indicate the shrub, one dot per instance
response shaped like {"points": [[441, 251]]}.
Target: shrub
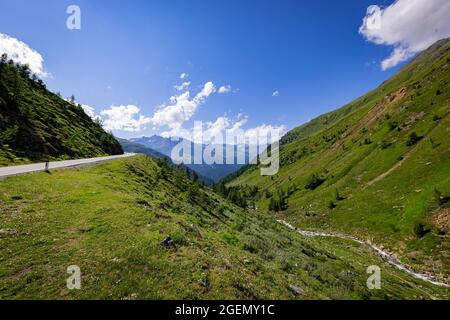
{"points": [[393, 125], [338, 196], [413, 139], [279, 202], [331, 205], [384, 144], [441, 200], [420, 230], [314, 182]]}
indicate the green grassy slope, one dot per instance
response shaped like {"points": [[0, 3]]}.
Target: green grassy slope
{"points": [[36, 125], [110, 220], [381, 166]]}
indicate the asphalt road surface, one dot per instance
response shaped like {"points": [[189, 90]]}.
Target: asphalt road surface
{"points": [[35, 167]]}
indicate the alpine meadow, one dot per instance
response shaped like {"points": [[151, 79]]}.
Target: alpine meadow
{"points": [[194, 154]]}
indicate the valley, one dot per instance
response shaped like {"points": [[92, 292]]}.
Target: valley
{"points": [[365, 187], [111, 219], [377, 169]]}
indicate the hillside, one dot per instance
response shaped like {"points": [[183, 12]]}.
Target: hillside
{"points": [[377, 169], [111, 220], [134, 147], [36, 124], [214, 172]]}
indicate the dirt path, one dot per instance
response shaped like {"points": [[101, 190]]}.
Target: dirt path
{"points": [[405, 157]]}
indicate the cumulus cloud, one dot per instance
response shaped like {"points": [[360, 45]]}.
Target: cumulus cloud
{"points": [[182, 86], [90, 111], [276, 93], [21, 53], [124, 118], [264, 130], [222, 126], [181, 108], [409, 26], [224, 89], [183, 76]]}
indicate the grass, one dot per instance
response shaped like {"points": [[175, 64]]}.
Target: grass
{"points": [[110, 220], [364, 150]]}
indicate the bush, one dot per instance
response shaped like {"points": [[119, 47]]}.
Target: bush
{"points": [[413, 139], [393, 125], [384, 144], [338, 196], [314, 182], [441, 200], [279, 203], [331, 205], [420, 230]]}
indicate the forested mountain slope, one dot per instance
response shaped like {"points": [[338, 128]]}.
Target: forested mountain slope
{"points": [[36, 124]]}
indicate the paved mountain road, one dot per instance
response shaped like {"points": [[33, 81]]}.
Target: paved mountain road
{"points": [[35, 167]]}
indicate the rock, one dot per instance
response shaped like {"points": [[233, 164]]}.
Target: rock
{"points": [[8, 232], [196, 231], [296, 289], [205, 266], [168, 242]]}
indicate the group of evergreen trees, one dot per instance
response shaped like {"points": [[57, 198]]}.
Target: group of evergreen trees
{"points": [[24, 71], [240, 195], [278, 202]]}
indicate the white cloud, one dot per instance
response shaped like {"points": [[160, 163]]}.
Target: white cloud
{"points": [[182, 86], [276, 93], [263, 131], [224, 89], [183, 76], [90, 111], [21, 53], [124, 118], [410, 26], [181, 108], [223, 125]]}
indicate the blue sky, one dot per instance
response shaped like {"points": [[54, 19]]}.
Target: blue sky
{"points": [[133, 52]]}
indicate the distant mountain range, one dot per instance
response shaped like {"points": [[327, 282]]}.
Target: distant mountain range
{"points": [[215, 172]]}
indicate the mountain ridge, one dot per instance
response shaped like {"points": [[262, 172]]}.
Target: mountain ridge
{"points": [[214, 172]]}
